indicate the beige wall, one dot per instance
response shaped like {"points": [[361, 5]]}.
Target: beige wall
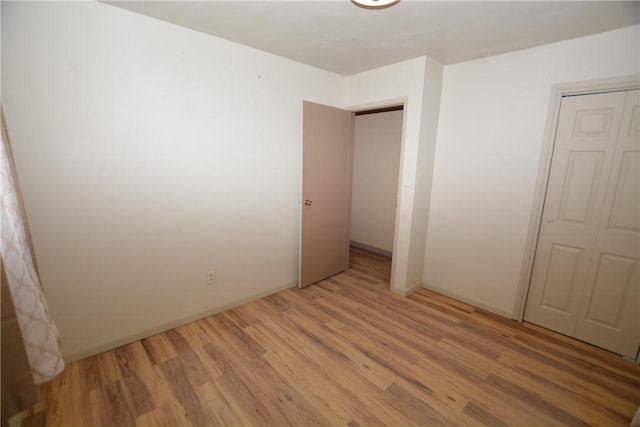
{"points": [[150, 154], [376, 162], [489, 143]]}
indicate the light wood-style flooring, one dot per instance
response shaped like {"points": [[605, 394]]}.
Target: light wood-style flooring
{"points": [[346, 351]]}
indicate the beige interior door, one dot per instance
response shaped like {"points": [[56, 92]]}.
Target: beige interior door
{"points": [[585, 278], [327, 150]]}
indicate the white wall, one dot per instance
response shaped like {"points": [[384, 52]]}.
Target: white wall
{"points": [[149, 154], [431, 94], [488, 151], [376, 161]]}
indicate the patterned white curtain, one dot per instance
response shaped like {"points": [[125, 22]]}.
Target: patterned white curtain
{"points": [[39, 333]]}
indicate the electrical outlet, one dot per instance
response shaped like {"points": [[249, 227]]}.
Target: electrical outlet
{"points": [[211, 277]]}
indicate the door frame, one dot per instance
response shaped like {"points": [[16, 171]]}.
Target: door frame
{"points": [[558, 91]]}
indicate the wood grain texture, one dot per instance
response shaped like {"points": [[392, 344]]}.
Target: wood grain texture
{"points": [[346, 351]]}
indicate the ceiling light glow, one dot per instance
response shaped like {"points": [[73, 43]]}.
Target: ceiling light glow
{"points": [[375, 4]]}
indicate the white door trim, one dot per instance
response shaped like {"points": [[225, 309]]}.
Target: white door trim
{"points": [[546, 153]]}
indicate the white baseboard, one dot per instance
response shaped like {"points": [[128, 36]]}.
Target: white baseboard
{"points": [[172, 324], [408, 291], [469, 301]]}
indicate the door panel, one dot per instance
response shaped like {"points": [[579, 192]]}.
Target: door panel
{"points": [[580, 186], [593, 122], [626, 201], [610, 311], [327, 151], [560, 277], [614, 275]]}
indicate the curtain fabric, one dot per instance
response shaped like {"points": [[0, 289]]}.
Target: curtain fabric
{"points": [[39, 333]]}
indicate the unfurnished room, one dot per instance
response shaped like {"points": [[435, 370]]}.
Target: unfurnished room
{"points": [[320, 213]]}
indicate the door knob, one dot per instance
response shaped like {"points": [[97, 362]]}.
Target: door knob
{"points": [[307, 202]]}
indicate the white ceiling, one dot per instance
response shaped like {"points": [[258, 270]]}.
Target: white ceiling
{"points": [[341, 37]]}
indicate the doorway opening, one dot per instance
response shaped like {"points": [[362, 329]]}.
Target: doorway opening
{"points": [[376, 170], [328, 135]]}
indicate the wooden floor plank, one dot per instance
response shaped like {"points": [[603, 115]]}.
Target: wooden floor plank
{"points": [[358, 361], [184, 390], [133, 371], [338, 404], [346, 351], [576, 408], [194, 334], [115, 408], [225, 408], [297, 410], [158, 348], [328, 360], [618, 403], [163, 416]]}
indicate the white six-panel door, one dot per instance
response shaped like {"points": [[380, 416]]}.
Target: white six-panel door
{"points": [[585, 280]]}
